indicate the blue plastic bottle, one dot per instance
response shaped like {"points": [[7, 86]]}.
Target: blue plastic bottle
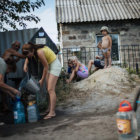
{"points": [[32, 112], [19, 112]]}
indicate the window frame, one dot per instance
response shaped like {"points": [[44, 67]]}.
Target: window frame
{"points": [[118, 61]]}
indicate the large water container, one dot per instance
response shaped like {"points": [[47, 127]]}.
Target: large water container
{"points": [[19, 112], [126, 122], [32, 112]]}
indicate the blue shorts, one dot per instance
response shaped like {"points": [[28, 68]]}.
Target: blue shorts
{"points": [[98, 64]]}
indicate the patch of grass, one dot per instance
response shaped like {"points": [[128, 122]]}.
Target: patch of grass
{"points": [[132, 71], [42, 106], [62, 88]]}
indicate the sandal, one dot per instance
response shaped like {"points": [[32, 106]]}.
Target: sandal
{"points": [[49, 117]]}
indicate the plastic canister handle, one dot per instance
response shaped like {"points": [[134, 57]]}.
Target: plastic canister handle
{"points": [[125, 102], [125, 106]]}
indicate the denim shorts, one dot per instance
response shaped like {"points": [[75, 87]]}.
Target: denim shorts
{"points": [[97, 64]]}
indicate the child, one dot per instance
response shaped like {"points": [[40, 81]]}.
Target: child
{"points": [[70, 66], [106, 45], [78, 69]]}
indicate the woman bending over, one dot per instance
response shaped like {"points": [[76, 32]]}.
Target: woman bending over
{"points": [[51, 70]]}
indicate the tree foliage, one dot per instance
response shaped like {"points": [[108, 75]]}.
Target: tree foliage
{"points": [[18, 12]]}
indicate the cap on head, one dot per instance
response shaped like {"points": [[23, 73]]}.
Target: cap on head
{"points": [[104, 28]]}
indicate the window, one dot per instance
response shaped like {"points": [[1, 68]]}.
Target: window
{"points": [[41, 34], [115, 45]]}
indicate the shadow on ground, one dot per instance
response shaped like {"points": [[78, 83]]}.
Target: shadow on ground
{"points": [[9, 128], [82, 126]]}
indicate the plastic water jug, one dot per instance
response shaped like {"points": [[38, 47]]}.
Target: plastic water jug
{"points": [[32, 112], [19, 112], [126, 121]]}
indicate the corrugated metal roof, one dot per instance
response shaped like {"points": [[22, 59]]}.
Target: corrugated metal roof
{"points": [[7, 38], [68, 11]]}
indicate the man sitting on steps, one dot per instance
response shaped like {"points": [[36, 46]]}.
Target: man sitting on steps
{"points": [[98, 63]]}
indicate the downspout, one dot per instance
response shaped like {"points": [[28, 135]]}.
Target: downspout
{"points": [[61, 44]]}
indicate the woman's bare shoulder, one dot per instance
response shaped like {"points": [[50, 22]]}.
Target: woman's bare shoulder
{"points": [[40, 52]]}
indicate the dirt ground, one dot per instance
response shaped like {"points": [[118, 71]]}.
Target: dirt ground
{"points": [[87, 114], [80, 126]]}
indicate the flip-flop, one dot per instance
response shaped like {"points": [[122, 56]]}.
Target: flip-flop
{"points": [[44, 113], [49, 117]]}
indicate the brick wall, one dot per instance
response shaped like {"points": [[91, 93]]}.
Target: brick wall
{"points": [[84, 34]]}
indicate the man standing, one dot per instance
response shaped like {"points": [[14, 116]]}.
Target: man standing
{"points": [[4, 88], [8, 64], [10, 54], [4, 70]]}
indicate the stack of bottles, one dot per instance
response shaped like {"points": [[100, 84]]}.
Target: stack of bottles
{"points": [[19, 112]]}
